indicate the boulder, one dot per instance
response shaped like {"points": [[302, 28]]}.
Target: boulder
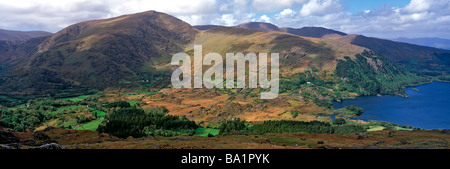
{"points": [[6, 147], [7, 137], [380, 142], [404, 142], [49, 146], [42, 137], [362, 136]]}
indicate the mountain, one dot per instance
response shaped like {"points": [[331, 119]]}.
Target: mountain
{"points": [[417, 58], [205, 27], [421, 59], [97, 54], [431, 42], [8, 35], [316, 32], [258, 26]]}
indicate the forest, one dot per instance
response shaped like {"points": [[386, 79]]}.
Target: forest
{"points": [[286, 126], [134, 121]]}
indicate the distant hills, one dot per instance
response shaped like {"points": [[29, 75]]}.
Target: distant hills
{"points": [[431, 42], [316, 32], [8, 35], [421, 59]]}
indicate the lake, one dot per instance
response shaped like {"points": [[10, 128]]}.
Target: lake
{"points": [[427, 108]]}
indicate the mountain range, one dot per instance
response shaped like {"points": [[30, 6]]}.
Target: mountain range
{"points": [[8, 35], [431, 42], [130, 49], [421, 59]]}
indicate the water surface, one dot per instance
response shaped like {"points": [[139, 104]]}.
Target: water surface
{"points": [[427, 108]]}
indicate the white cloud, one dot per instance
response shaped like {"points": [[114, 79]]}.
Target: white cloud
{"points": [[270, 5], [287, 12], [429, 18], [320, 7], [53, 15], [226, 20], [264, 18], [418, 5]]}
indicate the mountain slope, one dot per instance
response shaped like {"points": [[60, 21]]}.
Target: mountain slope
{"points": [[205, 27], [258, 26], [421, 59], [430, 42], [416, 58], [8, 35], [102, 53], [315, 32]]}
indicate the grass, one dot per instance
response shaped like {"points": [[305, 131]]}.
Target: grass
{"points": [[376, 128], [69, 124], [98, 112], [132, 102], [77, 99], [400, 128], [68, 109], [93, 125], [289, 141], [205, 131]]}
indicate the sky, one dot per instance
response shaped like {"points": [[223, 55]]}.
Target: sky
{"points": [[376, 18]]}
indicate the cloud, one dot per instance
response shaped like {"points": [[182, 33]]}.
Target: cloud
{"points": [[226, 20], [53, 15], [418, 5], [287, 12], [320, 7], [264, 18], [419, 18], [270, 5]]}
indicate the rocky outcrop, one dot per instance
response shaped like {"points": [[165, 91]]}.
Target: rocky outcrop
{"points": [[49, 146], [7, 137]]}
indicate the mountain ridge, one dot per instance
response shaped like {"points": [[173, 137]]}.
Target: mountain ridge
{"points": [[421, 59], [430, 42], [12, 35]]}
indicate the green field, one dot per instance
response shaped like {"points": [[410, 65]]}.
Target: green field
{"points": [[132, 102], [77, 99], [376, 128], [401, 128], [93, 125], [205, 131], [98, 112]]}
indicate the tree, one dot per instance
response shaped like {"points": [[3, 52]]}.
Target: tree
{"points": [[339, 121]]}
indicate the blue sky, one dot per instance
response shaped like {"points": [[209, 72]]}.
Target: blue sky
{"points": [[355, 6], [377, 18]]}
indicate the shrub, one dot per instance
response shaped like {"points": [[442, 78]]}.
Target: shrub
{"points": [[339, 121]]}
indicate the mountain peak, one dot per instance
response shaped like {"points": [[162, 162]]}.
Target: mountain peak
{"points": [[149, 21]]}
